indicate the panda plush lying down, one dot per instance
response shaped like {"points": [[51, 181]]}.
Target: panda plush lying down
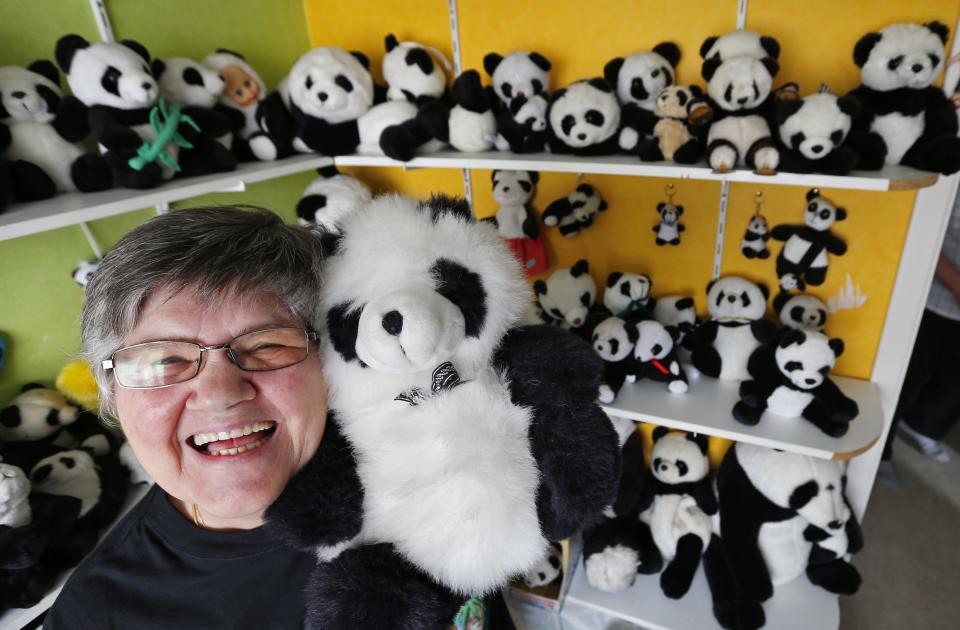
{"points": [[457, 444]]}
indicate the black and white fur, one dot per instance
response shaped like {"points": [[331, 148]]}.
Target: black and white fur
{"points": [[513, 190], [413, 72], [655, 351], [330, 198], [548, 570], [568, 296], [677, 312], [84, 271], [811, 132], [754, 241], [576, 211], [627, 295], [740, 43], [520, 73], [14, 493], [36, 413], [802, 311], [467, 120], [614, 340], [522, 125], [804, 257], [669, 228], [638, 79], [584, 118]]}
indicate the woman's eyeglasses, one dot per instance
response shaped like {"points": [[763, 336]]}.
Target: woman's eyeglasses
{"points": [[164, 363]]}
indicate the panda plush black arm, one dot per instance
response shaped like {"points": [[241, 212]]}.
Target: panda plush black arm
{"points": [[72, 122], [700, 343], [835, 405], [110, 133], [834, 245], [326, 138], [323, 503], [557, 210], [783, 232], [212, 123], [235, 116], [530, 227], [557, 376]]}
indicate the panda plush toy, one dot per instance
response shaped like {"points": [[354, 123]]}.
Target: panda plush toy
{"points": [[548, 570], [781, 515], [681, 113], [669, 228], [798, 385], [522, 125], [421, 304], [804, 257], [740, 43], [654, 350], [627, 295], [614, 340], [260, 130], [754, 241], [584, 119], [811, 133], [520, 73], [413, 72], [516, 221], [678, 503], [638, 79], [196, 89], [801, 311], [568, 299], [722, 346], [43, 151], [576, 211], [329, 199], [904, 118], [33, 420], [676, 312], [467, 122]]}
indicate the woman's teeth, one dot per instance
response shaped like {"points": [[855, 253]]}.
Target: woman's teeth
{"points": [[203, 438], [238, 450]]}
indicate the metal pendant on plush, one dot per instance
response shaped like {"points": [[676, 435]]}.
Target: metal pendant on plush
{"points": [[754, 241], [669, 228]]}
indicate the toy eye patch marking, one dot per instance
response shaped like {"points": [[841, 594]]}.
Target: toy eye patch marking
{"points": [[756, 91], [110, 81], [53, 418], [507, 89], [192, 77], [728, 93], [556, 312], [682, 468], [342, 323], [567, 124], [745, 299], [793, 366], [894, 63], [344, 83], [614, 346], [69, 462], [797, 139], [307, 84], [655, 73], [585, 299], [934, 60], [825, 214], [525, 186], [836, 137], [465, 289], [720, 297], [812, 207], [594, 117], [537, 86]]}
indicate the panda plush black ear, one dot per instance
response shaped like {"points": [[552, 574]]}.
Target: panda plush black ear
{"points": [[940, 29], [46, 69], [633, 333], [849, 105], [705, 46], [534, 176], [679, 210], [659, 432], [837, 346], [669, 51], [695, 90], [611, 71], [158, 68], [557, 94], [861, 52], [786, 109], [491, 61], [710, 285], [700, 440], [771, 64], [29, 386], [328, 171], [493, 176], [782, 298], [792, 336], [771, 46], [684, 303], [613, 278], [136, 47], [764, 290], [390, 42], [362, 58], [803, 494], [709, 68], [66, 47], [540, 287], [579, 268], [813, 193], [601, 84], [661, 207], [227, 51], [540, 61], [586, 189], [841, 214]]}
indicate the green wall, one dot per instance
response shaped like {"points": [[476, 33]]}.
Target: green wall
{"points": [[39, 301]]}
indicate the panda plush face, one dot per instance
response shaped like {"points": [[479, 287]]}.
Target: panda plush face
{"points": [[820, 213], [331, 84], [586, 202], [29, 94], [624, 288], [70, 473], [674, 101], [740, 43], [448, 294], [243, 87], [806, 357], [520, 73], [679, 457], [817, 124], [804, 312], [188, 83], [758, 224], [513, 188], [34, 414], [584, 113], [739, 84], [732, 297], [640, 77], [675, 310], [114, 75], [568, 294], [411, 71], [902, 55], [613, 339], [653, 341], [336, 195], [84, 271], [530, 112]]}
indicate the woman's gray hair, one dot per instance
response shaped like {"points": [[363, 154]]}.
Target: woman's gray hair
{"points": [[217, 252]]}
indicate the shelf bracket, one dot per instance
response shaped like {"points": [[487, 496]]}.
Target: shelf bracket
{"points": [[458, 68], [721, 226], [741, 14], [163, 207], [99, 8], [90, 240]]}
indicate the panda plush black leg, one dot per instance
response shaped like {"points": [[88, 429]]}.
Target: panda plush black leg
{"points": [[677, 576], [731, 610], [764, 254], [569, 231], [147, 177], [815, 275], [651, 560], [689, 153], [753, 402], [707, 360], [833, 574], [762, 154], [841, 161], [871, 148], [30, 182], [612, 555], [435, 118], [400, 142], [816, 413], [91, 173], [940, 155], [468, 92], [749, 253], [650, 150]]}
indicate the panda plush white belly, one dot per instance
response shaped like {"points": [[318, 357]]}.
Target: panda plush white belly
{"points": [[796, 248], [735, 342], [510, 221], [37, 142], [673, 516], [472, 131], [788, 402], [378, 118], [784, 549], [741, 131], [899, 132]]}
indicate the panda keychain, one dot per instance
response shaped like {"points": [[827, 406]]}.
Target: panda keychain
{"points": [[669, 228], [754, 242]]}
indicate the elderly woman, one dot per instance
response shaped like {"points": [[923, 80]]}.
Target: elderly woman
{"points": [[200, 327]]}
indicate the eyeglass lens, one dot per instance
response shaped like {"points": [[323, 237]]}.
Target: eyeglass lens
{"points": [[160, 363]]}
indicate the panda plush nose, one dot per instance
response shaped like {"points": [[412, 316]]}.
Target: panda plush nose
{"points": [[810, 381], [817, 148], [393, 322], [732, 299], [916, 67], [146, 86], [834, 524], [742, 100], [18, 94], [322, 96], [506, 189], [582, 136]]}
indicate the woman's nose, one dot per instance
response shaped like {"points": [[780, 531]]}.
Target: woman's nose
{"points": [[220, 384]]}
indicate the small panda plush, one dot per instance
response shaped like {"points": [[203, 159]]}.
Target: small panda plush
{"points": [[677, 503], [904, 118], [584, 119], [258, 119], [627, 295], [467, 122], [516, 220], [722, 346], [676, 312], [576, 211], [43, 153], [654, 350], [802, 311], [115, 82], [36, 413], [798, 385], [754, 241], [674, 136], [669, 228], [330, 198], [811, 132], [614, 340], [520, 73], [522, 125], [196, 89], [638, 79], [413, 72], [740, 43], [804, 257], [568, 299], [84, 271], [547, 570]]}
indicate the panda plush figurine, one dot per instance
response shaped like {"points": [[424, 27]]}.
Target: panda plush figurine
{"points": [[330, 198], [811, 132], [516, 221], [654, 350], [584, 119], [669, 228], [547, 570], [260, 130], [678, 503], [522, 125], [196, 89], [740, 43], [614, 340], [804, 257], [801, 311], [33, 419], [782, 515], [576, 211], [467, 122], [520, 73], [627, 295], [638, 79], [43, 152], [413, 72], [507, 424], [798, 385], [677, 135], [904, 118], [676, 312], [568, 299], [722, 346], [754, 241], [115, 82]]}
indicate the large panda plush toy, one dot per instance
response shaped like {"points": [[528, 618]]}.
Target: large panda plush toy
{"points": [[905, 119], [457, 444], [584, 118], [811, 133], [43, 153], [804, 258]]}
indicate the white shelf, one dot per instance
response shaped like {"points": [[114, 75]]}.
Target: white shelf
{"points": [[888, 178], [16, 618], [73, 208], [797, 605], [707, 408]]}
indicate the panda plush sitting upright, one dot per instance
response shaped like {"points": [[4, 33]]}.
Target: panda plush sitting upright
{"points": [[682, 114], [456, 445], [519, 74], [43, 153], [904, 118], [568, 299], [811, 132], [576, 211], [804, 257], [584, 118], [754, 241], [627, 295]]}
